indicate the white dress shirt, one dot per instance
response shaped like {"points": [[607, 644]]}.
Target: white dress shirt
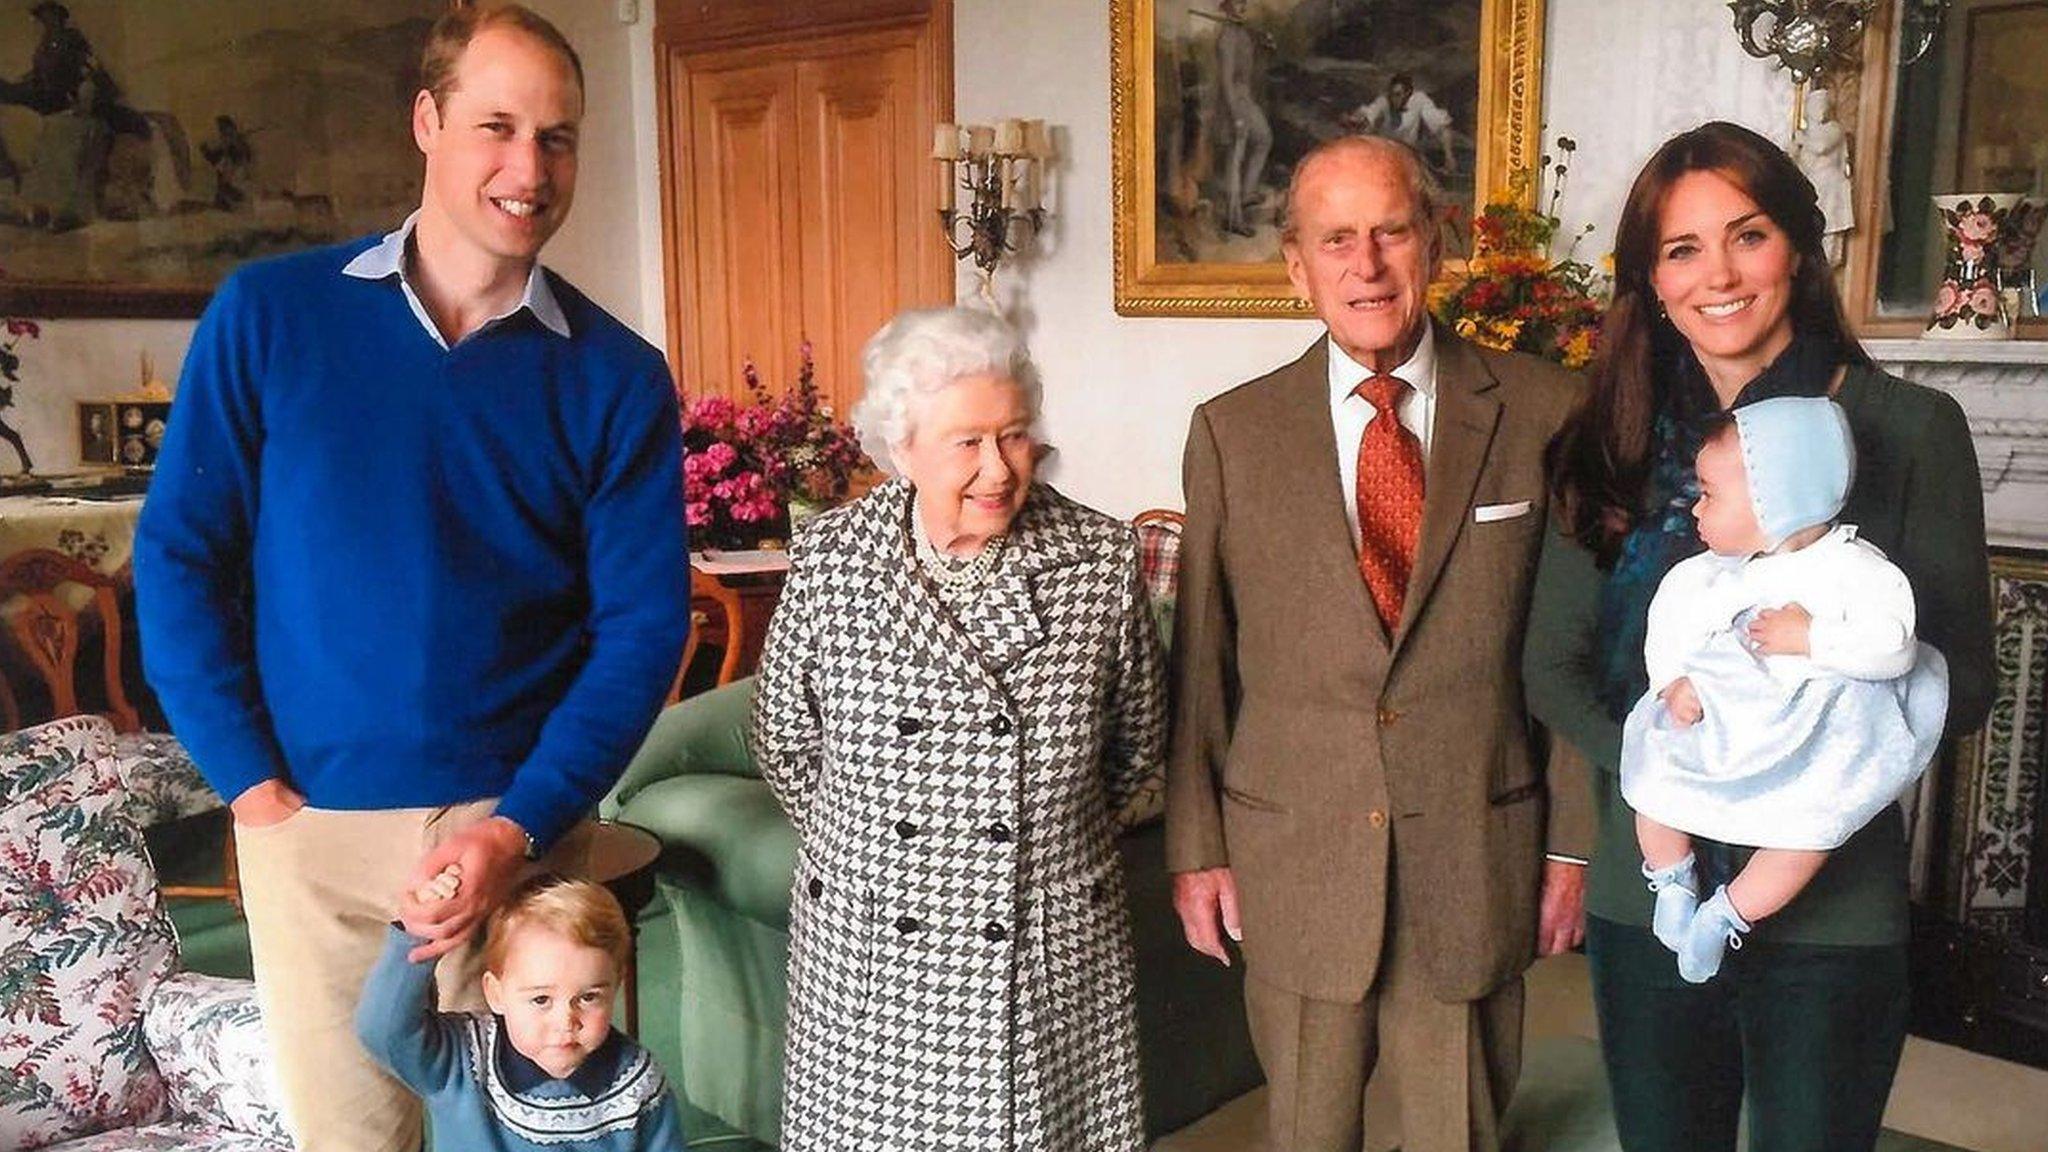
{"points": [[391, 257], [1350, 412]]}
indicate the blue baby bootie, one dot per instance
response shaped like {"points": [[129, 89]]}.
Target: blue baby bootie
{"points": [[1678, 896], [1714, 930]]}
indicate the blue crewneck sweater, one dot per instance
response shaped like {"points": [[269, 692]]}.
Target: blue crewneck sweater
{"points": [[395, 575]]}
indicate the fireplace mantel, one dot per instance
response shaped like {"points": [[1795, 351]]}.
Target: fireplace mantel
{"points": [[2002, 386]]}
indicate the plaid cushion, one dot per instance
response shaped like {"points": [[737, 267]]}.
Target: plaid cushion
{"points": [[1159, 557]]}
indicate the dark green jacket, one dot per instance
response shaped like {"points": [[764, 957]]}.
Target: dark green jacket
{"points": [[1916, 496]]}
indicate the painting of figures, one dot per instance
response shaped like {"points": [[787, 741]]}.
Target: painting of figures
{"points": [[148, 147], [1218, 100]]}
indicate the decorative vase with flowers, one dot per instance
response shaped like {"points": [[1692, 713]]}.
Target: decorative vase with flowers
{"points": [[1513, 295], [748, 468]]}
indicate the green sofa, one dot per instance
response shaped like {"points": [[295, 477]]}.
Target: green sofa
{"points": [[723, 906]]}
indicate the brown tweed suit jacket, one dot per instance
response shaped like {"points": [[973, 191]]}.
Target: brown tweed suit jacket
{"points": [[1310, 751]]}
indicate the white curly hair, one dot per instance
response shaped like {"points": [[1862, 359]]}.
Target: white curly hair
{"points": [[923, 351]]}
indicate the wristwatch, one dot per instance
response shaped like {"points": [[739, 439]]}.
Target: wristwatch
{"points": [[532, 849]]}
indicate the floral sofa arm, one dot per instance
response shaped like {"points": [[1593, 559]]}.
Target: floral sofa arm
{"points": [[206, 1035]]}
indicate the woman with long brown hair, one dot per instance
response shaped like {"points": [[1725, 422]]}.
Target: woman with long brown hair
{"points": [[1723, 297]]}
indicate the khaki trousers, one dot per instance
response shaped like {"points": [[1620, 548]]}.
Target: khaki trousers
{"points": [[1452, 1065], [320, 890]]}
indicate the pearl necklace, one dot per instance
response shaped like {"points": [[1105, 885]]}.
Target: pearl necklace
{"points": [[949, 572]]}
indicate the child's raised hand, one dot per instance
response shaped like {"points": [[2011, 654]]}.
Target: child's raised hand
{"points": [[1782, 631], [1682, 702], [444, 885]]}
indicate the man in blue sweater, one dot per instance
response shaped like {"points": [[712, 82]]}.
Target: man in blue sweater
{"points": [[411, 576]]}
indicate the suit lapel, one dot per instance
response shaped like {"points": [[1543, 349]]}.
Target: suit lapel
{"points": [[1466, 416], [1305, 457]]}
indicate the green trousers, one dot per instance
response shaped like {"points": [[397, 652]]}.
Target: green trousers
{"points": [[1811, 1032]]}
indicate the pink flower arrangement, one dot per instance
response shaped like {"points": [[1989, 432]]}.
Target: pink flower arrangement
{"points": [[743, 465]]}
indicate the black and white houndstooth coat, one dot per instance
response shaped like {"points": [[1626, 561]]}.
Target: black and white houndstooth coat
{"points": [[960, 961]]}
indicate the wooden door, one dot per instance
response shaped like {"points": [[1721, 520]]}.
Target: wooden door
{"points": [[801, 200], [746, 266]]}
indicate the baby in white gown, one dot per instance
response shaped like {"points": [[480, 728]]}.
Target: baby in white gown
{"points": [[1789, 701]]}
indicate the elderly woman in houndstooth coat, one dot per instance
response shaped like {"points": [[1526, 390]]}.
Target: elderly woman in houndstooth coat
{"points": [[961, 686]]}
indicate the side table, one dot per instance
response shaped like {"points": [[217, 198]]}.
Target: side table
{"points": [[622, 859]]}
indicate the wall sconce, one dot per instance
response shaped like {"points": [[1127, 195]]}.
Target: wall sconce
{"points": [[1002, 168], [1804, 35]]}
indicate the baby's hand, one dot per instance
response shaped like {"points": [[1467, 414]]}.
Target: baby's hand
{"points": [[1682, 702], [1782, 631]]}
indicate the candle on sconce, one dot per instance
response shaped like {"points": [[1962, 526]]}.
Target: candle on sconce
{"points": [[1037, 143], [947, 180], [1010, 138], [946, 142], [981, 140]]}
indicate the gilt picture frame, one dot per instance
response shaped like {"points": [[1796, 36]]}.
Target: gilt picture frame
{"points": [[1213, 101]]}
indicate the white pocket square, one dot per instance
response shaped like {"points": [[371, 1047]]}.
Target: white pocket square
{"points": [[1488, 513]]}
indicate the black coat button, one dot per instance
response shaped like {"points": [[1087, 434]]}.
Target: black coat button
{"points": [[816, 887], [909, 924], [1098, 892], [999, 832], [1000, 726], [908, 725], [994, 933], [906, 829]]}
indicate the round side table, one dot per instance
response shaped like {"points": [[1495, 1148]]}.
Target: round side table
{"points": [[622, 859]]}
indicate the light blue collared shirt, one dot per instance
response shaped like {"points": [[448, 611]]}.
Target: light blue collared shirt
{"points": [[388, 259]]}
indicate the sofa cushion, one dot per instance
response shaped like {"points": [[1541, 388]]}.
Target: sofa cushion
{"points": [[728, 834], [207, 1036], [87, 940], [173, 1138]]}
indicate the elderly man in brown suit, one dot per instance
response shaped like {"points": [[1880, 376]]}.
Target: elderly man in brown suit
{"points": [[1353, 790]]}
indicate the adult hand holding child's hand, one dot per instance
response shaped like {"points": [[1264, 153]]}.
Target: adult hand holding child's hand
{"points": [[490, 855], [413, 902]]}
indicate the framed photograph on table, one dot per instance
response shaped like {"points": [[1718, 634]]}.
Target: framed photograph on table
{"points": [[146, 148], [125, 432], [1214, 101]]}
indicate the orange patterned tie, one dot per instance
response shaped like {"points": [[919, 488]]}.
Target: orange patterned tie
{"points": [[1389, 496]]}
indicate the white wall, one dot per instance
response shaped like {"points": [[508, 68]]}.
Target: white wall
{"points": [[610, 247], [1618, 78]]}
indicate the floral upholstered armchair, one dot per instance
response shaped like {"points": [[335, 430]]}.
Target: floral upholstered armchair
{"points": [[104, 1045]]}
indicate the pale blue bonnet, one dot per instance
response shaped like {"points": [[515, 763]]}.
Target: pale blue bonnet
{"points": [[1800, 459]]}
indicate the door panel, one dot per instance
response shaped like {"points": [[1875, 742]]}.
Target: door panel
{"points": [[802, 203], [854, 110], [746, 264]]}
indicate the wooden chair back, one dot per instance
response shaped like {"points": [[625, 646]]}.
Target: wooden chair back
{"points": [[47, 629]]}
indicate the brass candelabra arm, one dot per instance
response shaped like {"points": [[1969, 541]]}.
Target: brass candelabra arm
{"points": [[992, 232]]}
